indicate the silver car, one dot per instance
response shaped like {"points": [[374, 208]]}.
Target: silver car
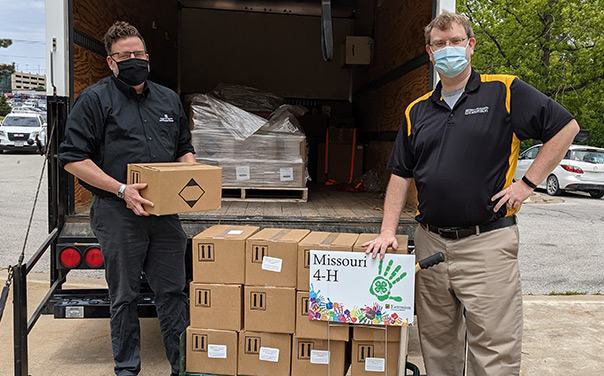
{"points": [[22, 131], [581, 169]]}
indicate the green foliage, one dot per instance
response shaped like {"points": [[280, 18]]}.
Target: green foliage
{"points": [[4, 107], [555, 45], [6, 69]]}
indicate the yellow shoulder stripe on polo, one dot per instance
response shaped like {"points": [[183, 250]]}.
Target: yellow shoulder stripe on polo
{"points": [[424, 97], [506, 79], [512, 162]]}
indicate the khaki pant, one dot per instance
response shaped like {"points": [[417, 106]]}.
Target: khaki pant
{"points": [[475, 293]]}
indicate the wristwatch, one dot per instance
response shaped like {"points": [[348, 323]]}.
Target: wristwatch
{"points": [[120, 192]]}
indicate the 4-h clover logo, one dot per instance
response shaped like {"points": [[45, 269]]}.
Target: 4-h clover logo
{"points": [[382, 284]]}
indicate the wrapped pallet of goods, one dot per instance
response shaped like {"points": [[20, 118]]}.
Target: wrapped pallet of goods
{"points": [[252, 151]]}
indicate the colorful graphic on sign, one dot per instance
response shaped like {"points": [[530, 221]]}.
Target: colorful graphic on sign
{"points": [[351, 287]]}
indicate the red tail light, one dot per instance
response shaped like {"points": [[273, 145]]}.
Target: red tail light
{"points": [[93, 257], [571, 168], [70, 257]]}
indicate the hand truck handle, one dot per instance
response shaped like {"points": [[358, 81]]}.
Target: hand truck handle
{"points": [[429, 261]]}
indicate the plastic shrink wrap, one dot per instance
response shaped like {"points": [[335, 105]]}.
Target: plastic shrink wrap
{"points": [[273, 154], [247, 98]]}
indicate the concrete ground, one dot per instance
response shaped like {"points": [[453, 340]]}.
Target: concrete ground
{"points": [[563, 335]]}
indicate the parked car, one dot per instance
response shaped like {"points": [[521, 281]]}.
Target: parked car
{"points": [[581, 169], [20, 131], [27, 109]]}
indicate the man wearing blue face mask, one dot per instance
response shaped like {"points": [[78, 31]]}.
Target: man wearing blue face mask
{"points": [[460, 144], [125, 118]]}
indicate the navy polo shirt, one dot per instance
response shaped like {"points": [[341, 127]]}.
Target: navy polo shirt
{"points": [[113, 125], [463, 156]]}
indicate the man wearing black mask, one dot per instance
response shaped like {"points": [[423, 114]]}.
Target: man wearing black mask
{"points": [[125, 118]]}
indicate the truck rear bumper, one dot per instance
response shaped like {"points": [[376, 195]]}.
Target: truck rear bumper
{"points": [[92, 303]]}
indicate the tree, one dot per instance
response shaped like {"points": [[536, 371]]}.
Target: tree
{"points": [[555, 45], [6, 69], [4, 106]]}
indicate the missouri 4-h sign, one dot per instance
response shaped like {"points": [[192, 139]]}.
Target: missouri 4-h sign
{"points": [[352, 287]]}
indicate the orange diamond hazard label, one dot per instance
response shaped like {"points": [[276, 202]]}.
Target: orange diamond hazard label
{"points": [[191, 193]]}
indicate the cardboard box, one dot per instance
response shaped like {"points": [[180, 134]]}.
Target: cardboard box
{"points": [[403, 242], [377, 333], [339, 163], [358, 50], [262, 354], [306, 328], [272, 257], [318, 357], [320, 241], [369, 358], [260, 173], [211, 351], [339, 135], [219, 254], [269, 309], [215, 306], [178, 187]]}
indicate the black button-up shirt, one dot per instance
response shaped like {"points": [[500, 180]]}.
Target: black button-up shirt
{"points": [[113, 125], [463, 156]]}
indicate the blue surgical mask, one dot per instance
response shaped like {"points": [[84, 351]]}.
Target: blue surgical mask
{"points": [[450, 61]]}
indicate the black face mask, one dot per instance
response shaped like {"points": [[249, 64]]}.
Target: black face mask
{"points": [[133, 71]]}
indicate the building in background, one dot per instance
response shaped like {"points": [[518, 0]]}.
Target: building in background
{"points": [[27, 81]]}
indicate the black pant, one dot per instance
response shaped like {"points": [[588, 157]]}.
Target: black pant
{"points": [[131, 244]]}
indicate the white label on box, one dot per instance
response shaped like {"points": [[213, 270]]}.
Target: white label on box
{"points": [[287, 174], [269, 354], [217, 351], [319, 357], [235, 232], [243, 172], [375, 364], [272, 264]]}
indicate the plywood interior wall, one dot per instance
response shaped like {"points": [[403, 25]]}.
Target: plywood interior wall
{"points": [[156, 21], [397, 29]]}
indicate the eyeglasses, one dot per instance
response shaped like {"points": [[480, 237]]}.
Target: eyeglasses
{"points": [[125, 55], [438, 44]]}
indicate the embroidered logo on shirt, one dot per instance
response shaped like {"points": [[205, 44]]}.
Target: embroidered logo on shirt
{"points": [[477, 110], [166, 119]]}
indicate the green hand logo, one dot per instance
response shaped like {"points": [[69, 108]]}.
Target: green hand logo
{"points": [[382, 284]]}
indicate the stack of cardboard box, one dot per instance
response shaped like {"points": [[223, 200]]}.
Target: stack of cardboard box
{"points": [[380, 344], [216, 299], [249, 303], [313, 339]]}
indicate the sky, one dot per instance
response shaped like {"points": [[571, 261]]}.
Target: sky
{"points": [[23, 22]]}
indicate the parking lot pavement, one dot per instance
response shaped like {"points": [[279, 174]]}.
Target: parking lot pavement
{"points": [[562, 335]]}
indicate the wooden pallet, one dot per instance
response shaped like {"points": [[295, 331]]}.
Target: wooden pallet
{"points": [[265, 194]]}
